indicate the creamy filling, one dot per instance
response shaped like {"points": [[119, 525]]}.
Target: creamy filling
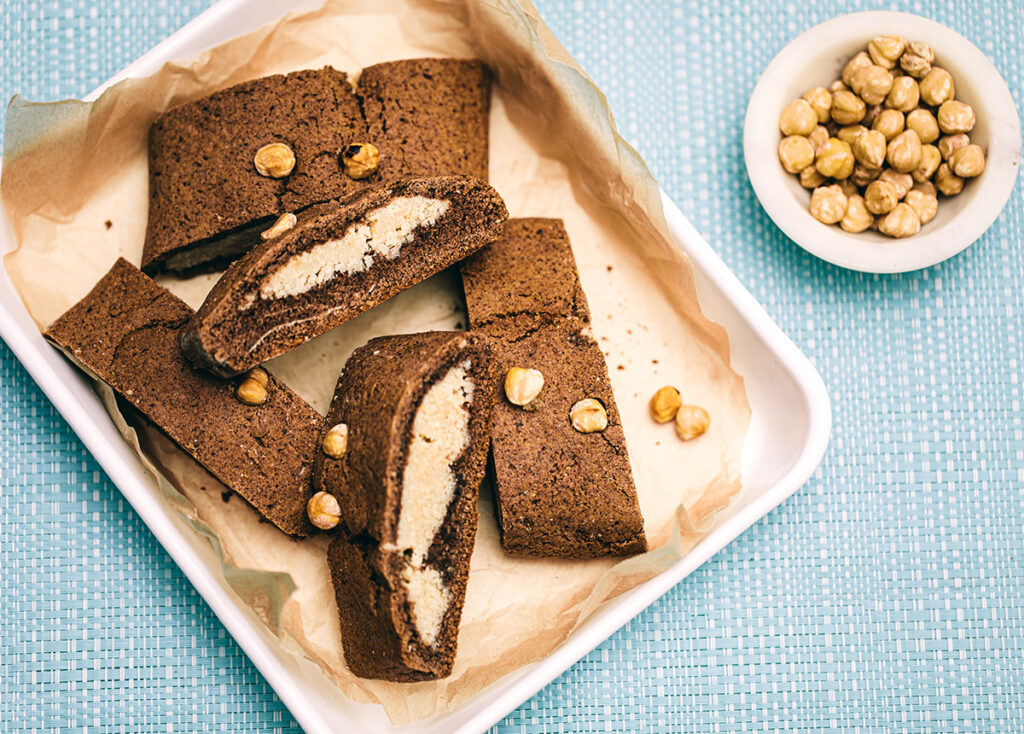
{"points": [[380, 232], [440, 435]]}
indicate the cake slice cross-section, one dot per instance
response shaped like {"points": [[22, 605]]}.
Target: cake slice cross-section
{"points": [[339, 260], [559, 492], [125, 332], [417, 413]]}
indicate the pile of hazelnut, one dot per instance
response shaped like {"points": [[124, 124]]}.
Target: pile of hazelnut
{"points": [[879, 145]]}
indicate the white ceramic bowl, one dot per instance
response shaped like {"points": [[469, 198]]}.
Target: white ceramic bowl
{"points": [[816, 58]]}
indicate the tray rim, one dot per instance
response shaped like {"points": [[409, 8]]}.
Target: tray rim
{"points": [[28, 346]]}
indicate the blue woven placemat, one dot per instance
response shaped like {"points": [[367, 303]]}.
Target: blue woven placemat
{"points": [[832, 613]]}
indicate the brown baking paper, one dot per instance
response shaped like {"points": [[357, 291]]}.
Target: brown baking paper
{"points": [[75, 187]]}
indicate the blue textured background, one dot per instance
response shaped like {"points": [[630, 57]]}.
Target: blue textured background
{"points": [[829, 614]]}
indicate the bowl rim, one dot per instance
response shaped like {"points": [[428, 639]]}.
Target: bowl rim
{"points": [[768, 178]]}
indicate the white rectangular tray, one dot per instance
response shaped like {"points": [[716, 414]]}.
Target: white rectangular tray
{"points": [[789, 431]]}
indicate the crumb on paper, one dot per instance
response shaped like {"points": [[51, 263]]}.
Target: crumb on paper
{"points": [[108, 224]]}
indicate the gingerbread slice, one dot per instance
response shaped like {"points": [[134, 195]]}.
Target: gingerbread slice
{"points": [[340, 260], [416, 411], [209, 195], [125, 332], [562, 478]]}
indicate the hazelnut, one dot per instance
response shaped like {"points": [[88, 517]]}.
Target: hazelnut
{"points": [[924, 124], [796, 153], [523, 385], [872, 114], [948, 182], [848, 187], [902, 221], [837, 86], [850, 133], [904, 153], [857, 62], [880, 197], [900, 181], [820, 100], [284, 222], [926, 205], [260, 375], [872, 83], [275, 160], [930, 160], [588, 416], [949, 143], [869, 149], [937, 86], [862, 176], [818, 137], [968, 161], [847, 108], [692, 421], [904, 94], [335, 442], [917, 59], [251, 392], [323, 510], [889, 123], [799, 118], [956, 117], [835, 159], [360, 160], [828, 204], [857, 217], [886, 50], [925, 187], [811, 178], [665, 404]]}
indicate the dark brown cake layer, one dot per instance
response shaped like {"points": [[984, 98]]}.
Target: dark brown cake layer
{"points": [[530, 270], [558, 492], [428, 116], [242, 324], [377, 397], [203, 183], [125, 331]]}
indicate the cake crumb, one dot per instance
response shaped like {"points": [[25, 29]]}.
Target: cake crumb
{"points": [[225, 496], [609, 268], [621, 367], [654, 361], [108, 224]]}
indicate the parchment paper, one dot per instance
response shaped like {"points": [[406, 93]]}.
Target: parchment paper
{"points": [[75, 187]]}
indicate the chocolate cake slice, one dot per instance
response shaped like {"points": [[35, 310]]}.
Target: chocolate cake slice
{"points": [[125, 332], [208, 200], [428, 116], [340, 259], [558, 491], [417, 410]]}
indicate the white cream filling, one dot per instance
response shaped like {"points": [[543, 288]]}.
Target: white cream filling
{"points": [[380, 232], [440, 435]]}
